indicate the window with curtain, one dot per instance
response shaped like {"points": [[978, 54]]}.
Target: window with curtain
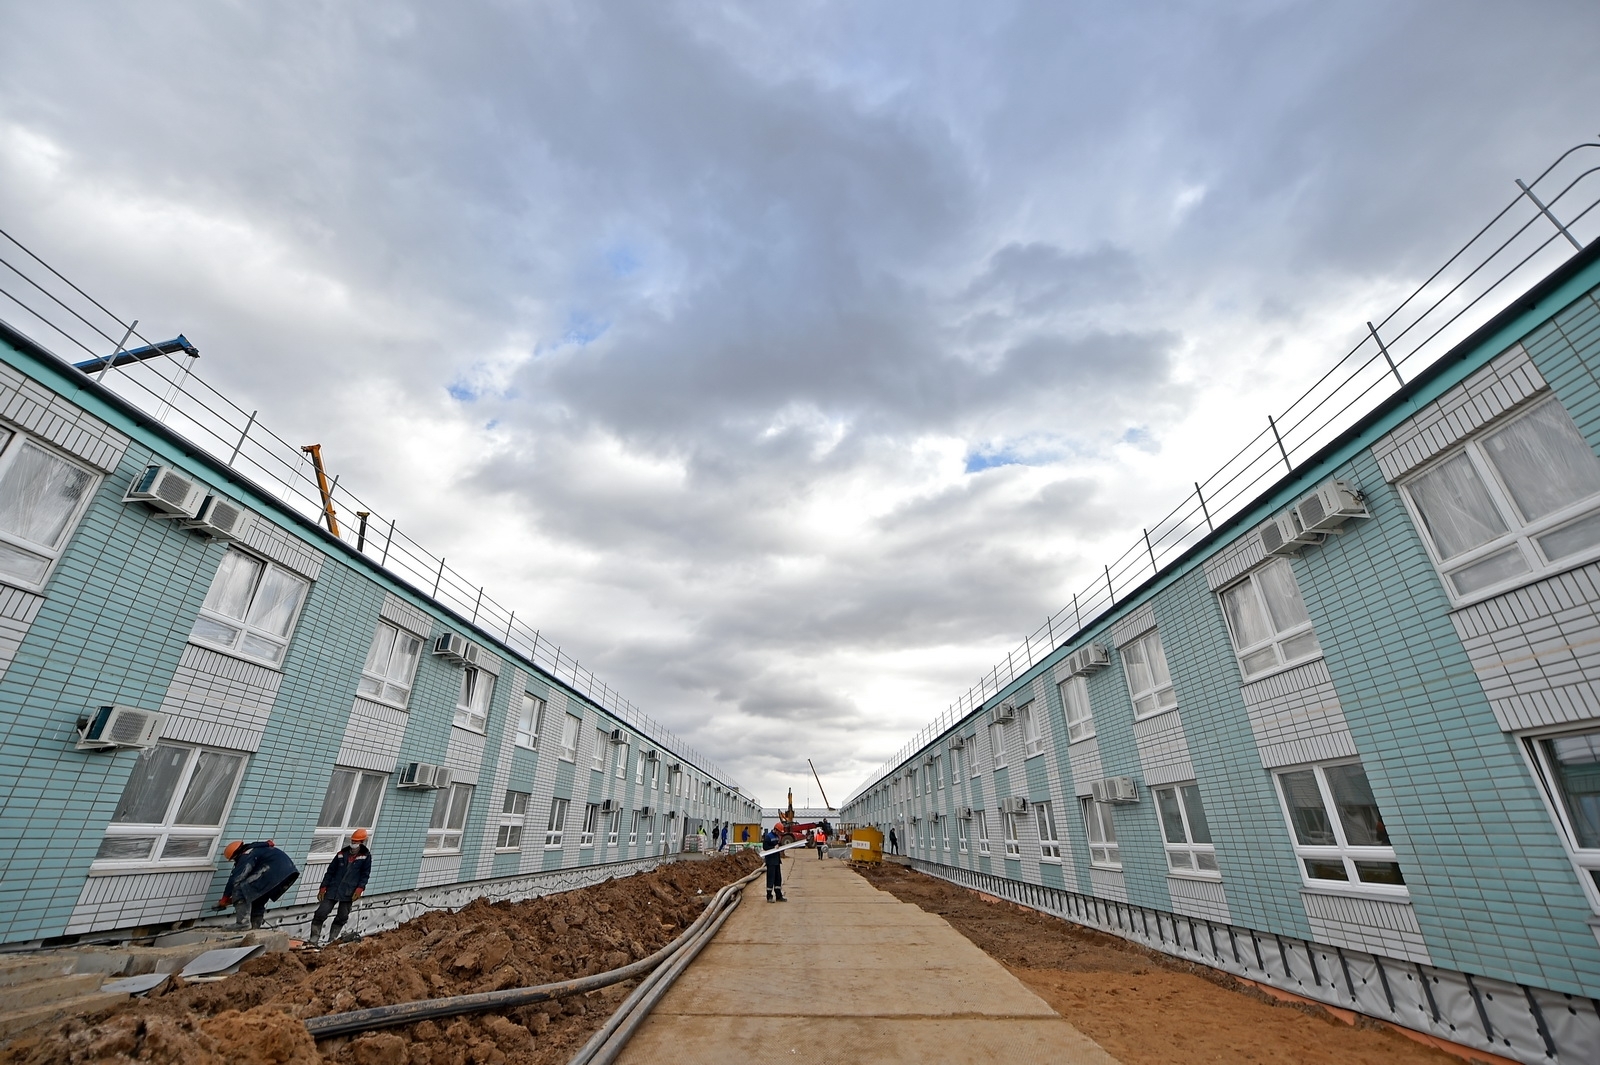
{"points": [[1569, 765], [1267, 620], [42, 496], [391, 665], [350, 802], [1075, 704], [1149, 684], [172, 808], [251, 608]]}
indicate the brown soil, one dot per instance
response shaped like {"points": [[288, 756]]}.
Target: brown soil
{"points": [[254, 1018], [1143, 1007]]}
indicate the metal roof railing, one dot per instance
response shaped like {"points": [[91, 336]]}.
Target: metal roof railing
{"points": [[167, 389], [1551, 219]]}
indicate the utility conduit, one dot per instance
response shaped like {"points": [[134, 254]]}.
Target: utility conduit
{"points": [[698, 932]]}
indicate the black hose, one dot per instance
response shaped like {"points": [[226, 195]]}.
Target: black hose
{"points": [[336, 1024]]}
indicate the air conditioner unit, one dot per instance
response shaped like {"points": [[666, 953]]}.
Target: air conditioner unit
{"points": [[457, 648], [168, 491], [111, 727], [423, 775], [221, 519], [966, 813], [675, 767], [916, 819], [1115, 789], [1087, 659], [1016, 804], [1283, 535], [1330, 506], [653, 756], [958, 743], [609, 806], [937, 816], [1006, 711], [617, 736], [647, 811]]}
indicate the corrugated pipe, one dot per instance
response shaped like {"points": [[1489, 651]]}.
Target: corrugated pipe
{"points": [[698, 932]]}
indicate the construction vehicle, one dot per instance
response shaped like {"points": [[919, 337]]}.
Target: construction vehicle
{"points": [[789, 829]]}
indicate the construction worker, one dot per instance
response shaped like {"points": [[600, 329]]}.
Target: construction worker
{"points": [[342, 885], [724, 844], [822, 843], [774, 862], [261, 874], [894, 842]]}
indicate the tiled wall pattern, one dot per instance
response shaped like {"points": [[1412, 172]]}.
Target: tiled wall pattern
{"points": [[1296, 717], [30, 405], [217, 700]]}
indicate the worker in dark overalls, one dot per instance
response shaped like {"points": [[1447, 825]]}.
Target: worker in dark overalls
{"points": [[774, 860]]}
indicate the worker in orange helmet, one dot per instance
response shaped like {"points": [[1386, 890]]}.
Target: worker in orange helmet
{"points": [[342, 885], [261, 874]]}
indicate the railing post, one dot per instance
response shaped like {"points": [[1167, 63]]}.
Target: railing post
{"points": [[1077, 618], [1281, 449], [477, 605], [1154, 569], [437, 577], [509, 620], [1203, 508], [1385, 349], [248, 425], [1546, 212], [1110, 588]]}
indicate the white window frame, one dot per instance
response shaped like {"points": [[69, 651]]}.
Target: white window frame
{"points": [[944, 833], [613, 827], [1293, 645], [1159, 695], [49, 554], [633, 830], [1100, 829], [330, 837], [974, 763], [955, 765], [602, 740], [997, 745], [1075, 707], [244, 630], [622, 761], [650, 831], [591, 824], [379, 681], [655, 773], [473, 699], [513, 821], [1186, 857], [638, 769], [983, 831], [530, 722], [936, 768], [168, 831], [1341, 851], [961, 834], [1013, 834], [1044, 820], [1585, 859], [1520, 536], [571, 727], [448, 822], [1032, 731], [555, 829]]}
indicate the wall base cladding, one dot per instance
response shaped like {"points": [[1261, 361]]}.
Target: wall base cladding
{"points": [[218, 700], [1378, 926], [1296, 717], [139, 899], [1205, 899], [1536, 649], [1529, 1024]]}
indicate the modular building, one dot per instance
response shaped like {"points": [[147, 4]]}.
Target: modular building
{"points": [[1348, 742], [185, 659]]}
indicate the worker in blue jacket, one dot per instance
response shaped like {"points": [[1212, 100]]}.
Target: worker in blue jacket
{"points": [[773, 858], [261, 874], [342, 885]]}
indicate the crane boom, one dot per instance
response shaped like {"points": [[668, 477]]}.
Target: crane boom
{"points": [[818, 779]]}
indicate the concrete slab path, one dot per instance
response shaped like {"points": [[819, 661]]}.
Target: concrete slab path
{"points": [[844, 972]]}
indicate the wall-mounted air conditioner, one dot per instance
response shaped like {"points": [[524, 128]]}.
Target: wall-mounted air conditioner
{"points": [[609, 806], [617, 736], [1115, 789], [652, 756], [111, 727], [958, 743], [457, 649], [1004, 712], [1087, 659], [423, 775], [1284, 535], [647, 811], [675, 767], [221, 519], [966, 813], [937, 816], [916, 819], [1016, 804], [1330, 506], [168, 491]]}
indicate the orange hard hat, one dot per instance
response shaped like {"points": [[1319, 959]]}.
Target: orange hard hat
{"points": [[231, 849], [358, 836]]}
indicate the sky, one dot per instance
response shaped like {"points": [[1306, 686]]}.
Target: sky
{"points": [[786, 362]]}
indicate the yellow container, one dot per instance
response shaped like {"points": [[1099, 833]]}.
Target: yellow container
{"points": [[744, 836], [866, 845]]}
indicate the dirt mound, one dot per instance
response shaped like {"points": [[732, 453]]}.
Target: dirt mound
{"points": [[254, 1018]]}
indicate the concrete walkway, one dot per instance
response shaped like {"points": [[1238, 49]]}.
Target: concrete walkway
{"points": [[844, 972]]}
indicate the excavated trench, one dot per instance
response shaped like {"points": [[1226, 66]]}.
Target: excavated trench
{"points": [[256, 1017]]}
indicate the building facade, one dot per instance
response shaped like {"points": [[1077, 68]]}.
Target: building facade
{"points": [[294, 687], [1364, 768]]}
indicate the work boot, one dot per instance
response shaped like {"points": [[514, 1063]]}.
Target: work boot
{"points": [[335, 931], [781, 898], [315, 939], [769, 897]]}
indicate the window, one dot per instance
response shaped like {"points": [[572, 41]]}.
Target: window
{"points": [[613, 826], [1013, 841], [961, 835], [655, 773], [633, 830], [983, 831], [472, 701], [1044, 817], [1101, 830], [569, 738], [513, 812], [1031, 736], [391, 664], [649, 831], [1569, 766], [1512, 504], [1338, 829], [250, 608], [41, 498], [1183, 826], [173, 807], [557, 826], [974, 761], [351, 802], [997, 745], [944, 832], [591, 821], [955, 765], [1075, 704], [622, 761], [936, 773], [911, 783], [638, 769], [1149, 683], [1267, 620], [449, 819], [601, 739], [530, 721]]}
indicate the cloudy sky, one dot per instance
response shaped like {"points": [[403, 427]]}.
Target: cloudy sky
{"points": [[787, 362]]}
